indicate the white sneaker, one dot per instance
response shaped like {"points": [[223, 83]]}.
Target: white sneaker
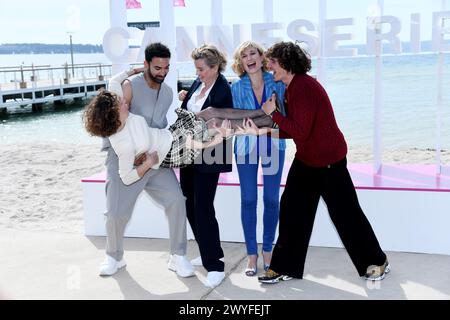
{"points": [[214, 278], [197, 262], [110, 266], [181, 266]]}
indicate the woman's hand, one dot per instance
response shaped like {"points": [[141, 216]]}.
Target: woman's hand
{"points": [[225, 128], [139, 159], [135, 71], [240, 129], [152, 159], [250, 127], [182, 95], [269, 106]]}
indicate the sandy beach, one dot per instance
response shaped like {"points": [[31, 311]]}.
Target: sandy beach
{"points": [[41, 188]]}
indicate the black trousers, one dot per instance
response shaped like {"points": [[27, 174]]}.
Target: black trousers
{"points": [[200, 189], [304, 187]]}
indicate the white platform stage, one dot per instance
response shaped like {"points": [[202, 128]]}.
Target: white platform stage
{"points": [[407, 205]]}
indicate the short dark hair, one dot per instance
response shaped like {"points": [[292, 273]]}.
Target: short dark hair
{"points": [[290, 56], [156, 49]]}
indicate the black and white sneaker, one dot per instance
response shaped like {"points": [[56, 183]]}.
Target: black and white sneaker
{"points": [[377, 273], [271, 276]]}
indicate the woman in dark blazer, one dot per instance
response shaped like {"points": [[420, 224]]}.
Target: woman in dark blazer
{"points": [[199, 180]]}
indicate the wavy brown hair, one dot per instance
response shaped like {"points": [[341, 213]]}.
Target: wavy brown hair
{"points": [[212, 56], [101, 115], [290, 56]]}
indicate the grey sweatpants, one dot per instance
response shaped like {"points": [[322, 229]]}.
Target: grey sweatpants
{"points": [[162, 185]]}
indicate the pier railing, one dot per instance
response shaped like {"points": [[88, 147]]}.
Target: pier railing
{"points": [[35, 85], [21, 77]]}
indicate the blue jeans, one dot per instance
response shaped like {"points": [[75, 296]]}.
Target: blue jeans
{"points": [[272, 167]]}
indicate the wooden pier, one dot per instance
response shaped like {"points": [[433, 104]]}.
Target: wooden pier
{"points": [[33, 86]]}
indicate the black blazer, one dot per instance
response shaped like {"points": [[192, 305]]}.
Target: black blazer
{"points": [[219, 97]]}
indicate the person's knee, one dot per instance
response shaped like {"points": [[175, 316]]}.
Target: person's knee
{"points": [[176, 199], [249, 203], [117, 215], [271, 204], [179, 196]]}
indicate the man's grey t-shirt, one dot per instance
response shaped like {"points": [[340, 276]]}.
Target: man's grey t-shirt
{"points": [[150, 103]]}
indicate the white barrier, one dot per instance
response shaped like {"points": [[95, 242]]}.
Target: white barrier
{"points": [[406, 205]]}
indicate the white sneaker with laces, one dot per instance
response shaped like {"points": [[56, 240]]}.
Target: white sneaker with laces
{"points": [[181, 266], [214, 278], [110, 266], [197, 262]]}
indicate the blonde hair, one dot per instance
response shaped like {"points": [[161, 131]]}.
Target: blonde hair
{"points": [[237, 64], [212, 56]]}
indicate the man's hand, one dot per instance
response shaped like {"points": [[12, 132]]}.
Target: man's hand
{"points": [[182, 95], [139, 159], [269, 106]]}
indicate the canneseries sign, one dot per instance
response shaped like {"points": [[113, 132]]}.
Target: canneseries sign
{"points": [[384, 28]]}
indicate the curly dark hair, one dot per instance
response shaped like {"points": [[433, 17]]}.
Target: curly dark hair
{"points": [[290, 56], [101, 115], [156, 49]]}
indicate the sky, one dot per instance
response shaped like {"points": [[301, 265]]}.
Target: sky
{"points": [[50, 21]]}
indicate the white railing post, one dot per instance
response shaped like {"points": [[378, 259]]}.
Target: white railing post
{"points": [[118, 18], [439, 101], [15, 81], [439, 112], [168, 33], [321, 72], [377, 141]]}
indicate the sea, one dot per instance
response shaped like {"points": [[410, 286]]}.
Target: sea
{"points": [[409, 114]]}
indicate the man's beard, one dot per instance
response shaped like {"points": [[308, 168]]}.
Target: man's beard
{"points": [[155, 79]]}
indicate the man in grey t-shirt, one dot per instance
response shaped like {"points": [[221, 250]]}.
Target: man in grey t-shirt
{"points": [[148, 96]]}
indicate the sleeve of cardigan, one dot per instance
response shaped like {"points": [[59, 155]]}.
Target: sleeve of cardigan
{"points": [[122, 147], [300, 119], [115, 83]]}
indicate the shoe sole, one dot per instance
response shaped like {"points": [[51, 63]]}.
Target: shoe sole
{"points": [[381, 277], [111, 274], [277, 279], [216, 284], [250, 272], [172, 268]]}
